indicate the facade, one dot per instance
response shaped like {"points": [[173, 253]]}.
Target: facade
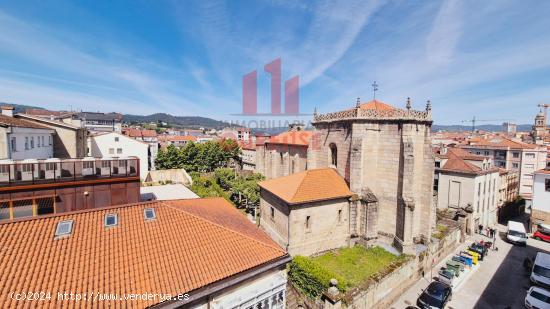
{"points": [[283, 154], [509, 128], [307, 212], [540, 210], [96, 122], [540, 129], [226, 261], [248, 156], [512, 155], [52, 186], [21, 139], [385, 157], [115, 145], [470, 183], [68, 141], [149, 137], [176, 140], [240, 134], [509, 186]]}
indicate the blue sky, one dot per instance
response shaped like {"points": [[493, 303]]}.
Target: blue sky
{"points": [[490, 59]]}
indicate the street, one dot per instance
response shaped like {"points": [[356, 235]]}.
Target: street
{"points": [[500, 281]]}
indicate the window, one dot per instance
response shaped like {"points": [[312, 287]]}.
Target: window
{"points": [[119, 150], [49, 140], [42, 137], [50, 166], [26, 143], [38, 143], [478, 153], [547, 184], [515, 165], [333, 154], [64, 228], [13, 144], [32, 142], [4, 169], [308, 225], [477, 206], [111, 220], [339, 215], [515, 154], [105, 163], [272, 213], [26, 167], [88, 164], [292, 167], [530, 155], [149, 214], [530, 166], [116, 139], [111, 151], [479, 189], [437, 164], [486, 153]]}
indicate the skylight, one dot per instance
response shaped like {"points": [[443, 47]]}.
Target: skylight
{"points": [[64, 228], [111, 220], [149, 214]]}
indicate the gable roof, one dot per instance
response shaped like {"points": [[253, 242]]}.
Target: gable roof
{"points": [[191, 244], [8, 121], [308, 186], [47, 121], [457, 161], [499, 142], [300, 138]]}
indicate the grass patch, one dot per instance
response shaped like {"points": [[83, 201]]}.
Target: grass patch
{"points": [[441, 231], [356, 264]]}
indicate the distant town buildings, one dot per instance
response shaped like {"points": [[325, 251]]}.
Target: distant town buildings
{"points": [[148, 136]]}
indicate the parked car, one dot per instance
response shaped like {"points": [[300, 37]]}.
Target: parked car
{"points": [[537, 298], [540, 274], [542, 233], [436, 295]]}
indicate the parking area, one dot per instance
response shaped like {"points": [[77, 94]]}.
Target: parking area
{"points": [[500, 281]]}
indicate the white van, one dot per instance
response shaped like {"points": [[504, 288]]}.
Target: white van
{"points": [[516, 233], [540, 274]]}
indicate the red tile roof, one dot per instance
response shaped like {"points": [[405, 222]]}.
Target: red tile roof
{"points": [[139, 133], [176, 138], [300, 138], [191, 244], [8, 121], [376, 105], [500, 142], [308, 186]]}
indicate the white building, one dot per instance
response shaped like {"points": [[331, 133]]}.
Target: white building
{"points": [[21, 139], [468, 182], [540, 210], [96, 122], [105, 145]]}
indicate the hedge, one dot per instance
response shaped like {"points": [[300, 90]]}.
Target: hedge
{"points": [[311, 278]]}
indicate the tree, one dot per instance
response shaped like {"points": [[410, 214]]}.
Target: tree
{"points": [[169, 158]]}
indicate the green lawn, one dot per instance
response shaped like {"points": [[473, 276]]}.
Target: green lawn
{"points": [[356, 264]]}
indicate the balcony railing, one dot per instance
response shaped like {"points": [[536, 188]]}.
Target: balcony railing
{"points": [[25, 172]]}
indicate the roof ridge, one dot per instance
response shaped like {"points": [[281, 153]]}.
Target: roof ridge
{"points": [[222, 226], [302, 182]]}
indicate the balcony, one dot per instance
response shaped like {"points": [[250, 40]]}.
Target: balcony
{"points": [[30, 171]]}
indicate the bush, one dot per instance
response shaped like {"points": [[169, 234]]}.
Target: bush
{"points": [[311, 278]]}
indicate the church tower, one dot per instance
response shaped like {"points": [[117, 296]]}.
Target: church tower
{"points": [[384, 153]]}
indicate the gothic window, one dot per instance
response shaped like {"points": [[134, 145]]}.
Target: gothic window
{"points": [[333, 154]]}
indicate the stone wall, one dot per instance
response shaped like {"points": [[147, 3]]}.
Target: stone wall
{"points": [[275, 160]]}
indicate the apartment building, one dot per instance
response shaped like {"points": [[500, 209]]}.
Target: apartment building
{"points": [[540, 210], [199, 253], [21, 139], [248, 155], [467, 182], [69, 141], [512, 155], [115, 145], [30, 188]]}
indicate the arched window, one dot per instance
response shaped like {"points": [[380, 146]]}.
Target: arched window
{"points": [[333, 154]]}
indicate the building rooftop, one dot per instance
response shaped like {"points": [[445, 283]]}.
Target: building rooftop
{"points": [[190, 244], [167, 192], [376, 105], [308, 186], [457, 161], [499, 142], [300, 138], [7, 121]]}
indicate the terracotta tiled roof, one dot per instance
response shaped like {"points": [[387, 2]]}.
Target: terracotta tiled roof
{"points": [[15, 122], [191, 244], [176, 138], [377, 105], [457, 161], [500, 142], [139, 133], [301, 138], [543, 171], [308, 186], [465, 154]]}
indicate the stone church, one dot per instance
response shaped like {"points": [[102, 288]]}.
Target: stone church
{"points": [[384, 156]]}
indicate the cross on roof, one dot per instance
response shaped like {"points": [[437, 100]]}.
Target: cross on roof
{"points": [[374, 89]]}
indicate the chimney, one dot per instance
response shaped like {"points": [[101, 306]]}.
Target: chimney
{"points": [[7, 110]]}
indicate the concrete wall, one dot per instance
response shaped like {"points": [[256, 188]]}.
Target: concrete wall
{"points": [[36, 151], [541, 197], [276, 160]]}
